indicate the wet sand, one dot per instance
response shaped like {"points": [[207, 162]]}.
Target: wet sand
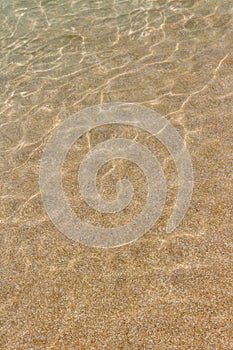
{"points": [[162, 291]]}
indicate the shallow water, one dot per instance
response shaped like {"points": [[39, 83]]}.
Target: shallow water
{"points": [[162, 291]]}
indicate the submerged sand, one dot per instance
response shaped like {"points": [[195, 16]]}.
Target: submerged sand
{"points": [[162, 291]]}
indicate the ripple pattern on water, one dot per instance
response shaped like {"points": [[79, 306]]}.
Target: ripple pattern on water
{"points": [[161, 292]]}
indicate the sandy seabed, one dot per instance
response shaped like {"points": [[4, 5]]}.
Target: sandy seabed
{"points": [[162, 291]]}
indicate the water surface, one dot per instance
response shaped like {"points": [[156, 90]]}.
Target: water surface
{"points": [[162, 291]]}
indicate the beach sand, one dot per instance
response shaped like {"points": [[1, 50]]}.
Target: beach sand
{"points": [[162, 291]]}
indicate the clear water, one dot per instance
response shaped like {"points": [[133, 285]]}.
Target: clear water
{"points": [[163, 291]]}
